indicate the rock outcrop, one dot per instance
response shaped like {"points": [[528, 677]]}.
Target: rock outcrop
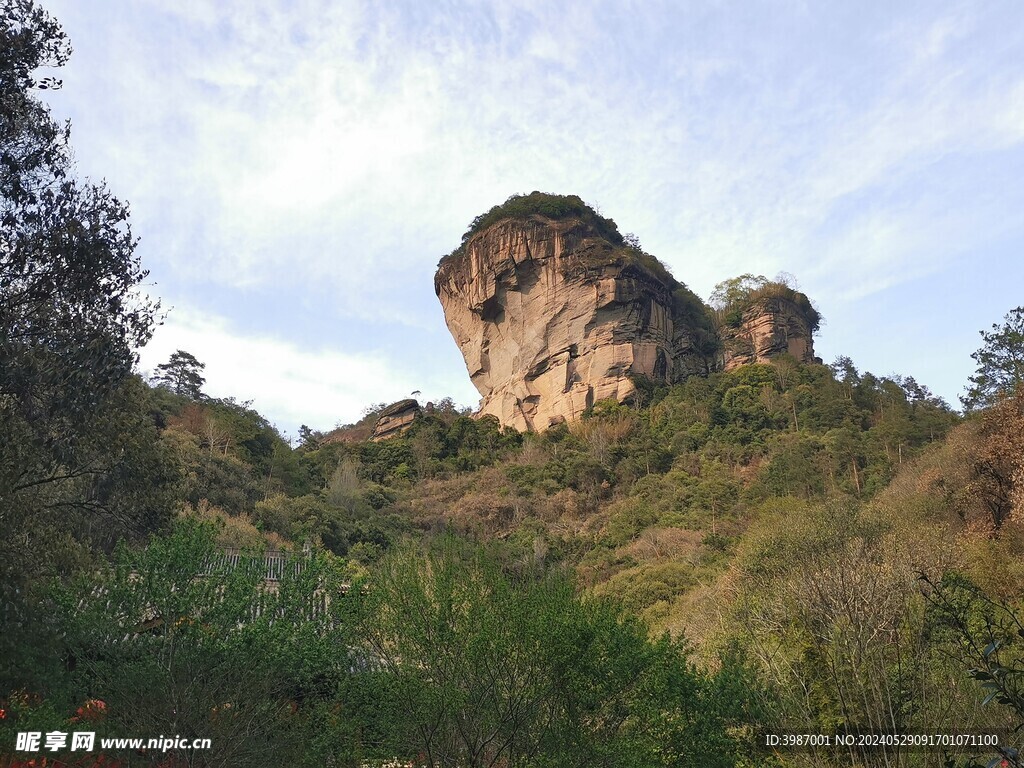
{"points": [[553, 315], [554, 310], [395, 419], [770, 327]]}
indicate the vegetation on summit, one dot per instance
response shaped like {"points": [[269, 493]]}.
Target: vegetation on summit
{"points": [[784, 547], [1000, 363], [551, 206], [731, 298]]}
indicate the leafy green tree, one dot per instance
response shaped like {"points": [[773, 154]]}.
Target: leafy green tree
{"points": [[1000, 363], [736, 290], [309, 439], [181, 375], [494, 667], [69, 316], [80, 461], [987, 635]]}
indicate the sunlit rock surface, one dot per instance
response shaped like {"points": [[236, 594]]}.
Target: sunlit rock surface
{"points": [[551, 318]]}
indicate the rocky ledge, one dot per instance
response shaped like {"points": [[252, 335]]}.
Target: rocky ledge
{"points": [[395, 419]]}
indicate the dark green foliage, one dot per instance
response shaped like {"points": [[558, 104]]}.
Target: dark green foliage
{"points": [[633, 258], [696, 315], [551, 206], [80, 461], [309, 439], [706, 454], [386, 461], [338, 522], [988, 638], [797, 467], [318, 463], [512, 667], [436, 443], [69, 318], [458, 654], [230, 454], [224, 481], [181, 375], [988, 633], [174, 640], [1000, 363], [812, 434]]}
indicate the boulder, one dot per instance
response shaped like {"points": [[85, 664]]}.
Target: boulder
{"points": [[395, 419]]}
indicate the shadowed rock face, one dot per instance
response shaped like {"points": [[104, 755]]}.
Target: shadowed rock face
{"points": [[551, 318], [769, 328], [395, 419]]}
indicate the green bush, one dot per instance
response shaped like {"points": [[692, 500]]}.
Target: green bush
{"points": [[551, 206]]}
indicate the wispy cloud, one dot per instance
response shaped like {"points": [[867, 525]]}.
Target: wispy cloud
{"points": [[325, 154]]}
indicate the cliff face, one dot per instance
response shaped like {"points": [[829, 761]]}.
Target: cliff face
{"points": [[552, 317], [768, 328], [395, 419]]}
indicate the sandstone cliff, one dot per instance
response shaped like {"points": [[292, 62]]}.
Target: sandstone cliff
{"points": [[553, 315], [554, 310], [767, 328]]}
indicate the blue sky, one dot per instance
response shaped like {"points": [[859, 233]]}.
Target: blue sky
{"points": [[296, 169]]}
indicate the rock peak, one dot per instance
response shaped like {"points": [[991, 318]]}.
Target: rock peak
{"points": [[555, 314], [395, 419], [554, 310], [768, 327]]}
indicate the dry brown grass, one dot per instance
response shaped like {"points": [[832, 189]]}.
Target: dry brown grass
{"points": [[234, 531], [656, 544]]}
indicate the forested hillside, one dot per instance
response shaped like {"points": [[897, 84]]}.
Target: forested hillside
{"points": [[783, 548], [834, 549]]}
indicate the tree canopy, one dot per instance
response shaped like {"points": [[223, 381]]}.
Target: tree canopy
{"points": [[181, 375], [1000, 362], [79, 457], [501, 664], [70, 318]]}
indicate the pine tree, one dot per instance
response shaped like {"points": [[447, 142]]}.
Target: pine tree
{"points": [[1000, 363], [181, 375]]}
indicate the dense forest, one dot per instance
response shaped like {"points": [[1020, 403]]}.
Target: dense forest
{"points": [[785, 548]]}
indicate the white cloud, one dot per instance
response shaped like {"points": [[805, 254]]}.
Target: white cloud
{"points": [[329, 152], [290, 385]]}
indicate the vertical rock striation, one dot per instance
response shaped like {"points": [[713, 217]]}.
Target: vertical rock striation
{"points": [[769, 327], [552, 316], [554, 310]]}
